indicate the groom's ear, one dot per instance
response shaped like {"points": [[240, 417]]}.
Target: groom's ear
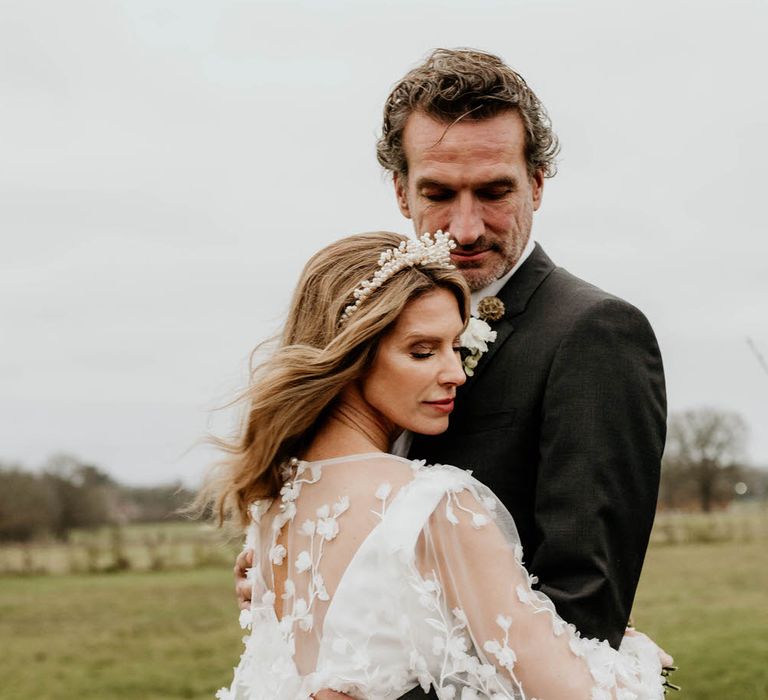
{"points": [[401, 192], [537, 188]]}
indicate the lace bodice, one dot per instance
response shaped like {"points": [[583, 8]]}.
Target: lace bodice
{"points": [[373, 574]]}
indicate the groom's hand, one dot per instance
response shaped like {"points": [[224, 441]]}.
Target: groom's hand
{"points": [[243, 562], [666, 660], [330, 695]]}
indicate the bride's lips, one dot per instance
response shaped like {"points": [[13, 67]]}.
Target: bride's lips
{"points": [[443, 405]]}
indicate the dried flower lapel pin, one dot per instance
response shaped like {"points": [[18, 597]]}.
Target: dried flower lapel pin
{"points": [[478, 333]]}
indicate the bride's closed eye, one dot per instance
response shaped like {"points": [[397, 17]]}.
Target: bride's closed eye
{"points": [[417, 355], [422, 350]]}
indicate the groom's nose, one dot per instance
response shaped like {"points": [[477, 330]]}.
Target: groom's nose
{"points": [[466, 223]]}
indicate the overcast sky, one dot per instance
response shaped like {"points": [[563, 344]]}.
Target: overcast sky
{"points": [[168, 166]]}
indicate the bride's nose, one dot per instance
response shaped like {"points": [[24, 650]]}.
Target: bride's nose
{"points": [[452, 371]]}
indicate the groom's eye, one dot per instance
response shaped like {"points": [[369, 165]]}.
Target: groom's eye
{"points": [[494, 193], [437, 195]]}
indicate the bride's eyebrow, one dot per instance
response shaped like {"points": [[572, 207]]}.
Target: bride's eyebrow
{"points": [[422, 337], [428, 336]]}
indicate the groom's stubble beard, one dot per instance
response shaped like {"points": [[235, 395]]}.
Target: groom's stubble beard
{"points": [[506, 244], [505, 253]]}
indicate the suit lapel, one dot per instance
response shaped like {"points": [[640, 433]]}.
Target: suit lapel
{"points": [[515, 294]]}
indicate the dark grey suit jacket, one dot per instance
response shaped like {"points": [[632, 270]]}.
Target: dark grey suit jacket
{"points": [[565, 419]]}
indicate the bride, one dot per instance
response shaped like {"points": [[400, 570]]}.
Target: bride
{"points": [[373, 574]]}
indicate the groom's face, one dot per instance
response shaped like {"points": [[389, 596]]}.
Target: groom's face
{"points": [[471, 180]]}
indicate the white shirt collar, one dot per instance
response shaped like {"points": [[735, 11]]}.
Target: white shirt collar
{"points": [[495, 287]]}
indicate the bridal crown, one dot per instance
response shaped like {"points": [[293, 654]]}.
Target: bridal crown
{"points": [[424, 250]]}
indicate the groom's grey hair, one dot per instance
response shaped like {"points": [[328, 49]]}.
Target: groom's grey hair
{"points": [[455, 84]]}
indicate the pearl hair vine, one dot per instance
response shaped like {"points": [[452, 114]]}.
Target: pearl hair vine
{"points": [[424, 250]]}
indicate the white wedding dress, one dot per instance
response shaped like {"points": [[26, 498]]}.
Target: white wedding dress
{"points": [[373, 574]]}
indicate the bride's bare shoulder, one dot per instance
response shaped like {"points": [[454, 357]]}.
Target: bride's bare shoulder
{"points": [[374, 470]]}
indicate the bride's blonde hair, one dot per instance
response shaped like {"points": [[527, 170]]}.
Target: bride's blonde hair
{"points": [[317, 356]]}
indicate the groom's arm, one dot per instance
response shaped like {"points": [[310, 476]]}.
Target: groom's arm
{"points": [[243, 586], [602, 436]]}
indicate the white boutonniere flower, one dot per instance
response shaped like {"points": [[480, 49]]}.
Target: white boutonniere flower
{"points": [[478, 333], [475, 341]]}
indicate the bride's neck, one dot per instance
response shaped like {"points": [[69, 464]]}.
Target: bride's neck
{"points": [[353, 426]]}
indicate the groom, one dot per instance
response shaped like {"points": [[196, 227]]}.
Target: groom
{"points": [[564, 417]]}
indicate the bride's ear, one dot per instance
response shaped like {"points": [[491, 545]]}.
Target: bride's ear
{"points": [[401, 193]]}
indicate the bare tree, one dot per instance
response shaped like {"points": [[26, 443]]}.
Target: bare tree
{"points": [[758, 355], [704, 450]]}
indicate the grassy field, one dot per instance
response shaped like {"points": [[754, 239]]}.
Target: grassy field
{"points": [[130, 635], [707, 605], [173, 634]]}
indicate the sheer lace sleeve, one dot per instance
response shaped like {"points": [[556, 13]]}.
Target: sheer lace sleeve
{"points": [[487, 633]]}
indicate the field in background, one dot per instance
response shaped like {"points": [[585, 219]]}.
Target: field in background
{"points": [[747, 522], [707, 605], [186, 545], [169, 629], [137, 636], [138, 547]]}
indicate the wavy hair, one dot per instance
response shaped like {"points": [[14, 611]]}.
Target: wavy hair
{"points": [[316, 357], [455, 84]]}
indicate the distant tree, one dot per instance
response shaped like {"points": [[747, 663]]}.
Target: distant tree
{"points": [[677, 488], [84, 493], [704, 450], [28, 506], [156, 503], [69, 493]]}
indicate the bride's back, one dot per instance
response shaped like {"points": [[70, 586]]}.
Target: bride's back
{"points": [[307, 537], [373, 574]]}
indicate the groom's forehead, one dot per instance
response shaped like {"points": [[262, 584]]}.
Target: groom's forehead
{"points": [[493, 140]]}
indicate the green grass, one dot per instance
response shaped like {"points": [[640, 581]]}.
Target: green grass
{"points": [[707, 605], [132, 635], [174, 634]]}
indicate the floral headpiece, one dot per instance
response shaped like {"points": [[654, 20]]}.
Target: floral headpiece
{"points": [[425, 250]]}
